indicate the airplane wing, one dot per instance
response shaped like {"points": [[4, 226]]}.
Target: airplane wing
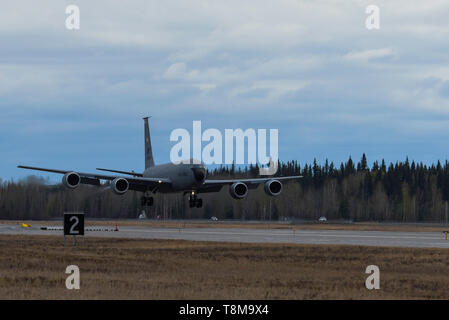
{"points": [[135, 183], [216, 185], [131, 173]]}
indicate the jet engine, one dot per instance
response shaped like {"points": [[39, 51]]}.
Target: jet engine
{"points": [[119, 185], [273, 187], [71, 180], [238, 190]]}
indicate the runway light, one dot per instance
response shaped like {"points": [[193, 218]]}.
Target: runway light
{"points": [[160, 181]]}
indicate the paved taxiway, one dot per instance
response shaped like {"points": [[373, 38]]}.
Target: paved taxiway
{"points": [[326, 237]]}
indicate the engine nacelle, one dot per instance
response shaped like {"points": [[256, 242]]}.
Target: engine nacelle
{"points": [[71, 180], [119, 185], [273, 187], [238, 190]]}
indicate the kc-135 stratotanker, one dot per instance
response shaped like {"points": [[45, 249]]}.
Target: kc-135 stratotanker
{"points": [[189, 178]]}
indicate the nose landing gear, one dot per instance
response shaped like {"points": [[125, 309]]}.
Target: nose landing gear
{"points": [[194, 201]]}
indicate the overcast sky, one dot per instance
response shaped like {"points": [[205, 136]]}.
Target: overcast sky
{"points": [[74, 99]]}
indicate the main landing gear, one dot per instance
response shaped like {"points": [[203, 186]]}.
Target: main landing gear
{"points": [[146, 201], [194, 201]]}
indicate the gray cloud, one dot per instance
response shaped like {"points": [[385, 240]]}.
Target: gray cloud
{"points": [[310, 67]]}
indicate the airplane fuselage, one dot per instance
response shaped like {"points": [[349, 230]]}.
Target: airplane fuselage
{"points": [[183, 176]]}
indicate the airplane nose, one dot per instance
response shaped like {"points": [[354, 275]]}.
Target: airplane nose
{"points": [[199, 173]]}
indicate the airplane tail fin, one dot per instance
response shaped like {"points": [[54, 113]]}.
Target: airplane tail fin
{"points": [[149, 162]]}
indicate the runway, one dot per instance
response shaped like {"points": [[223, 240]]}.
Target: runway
{"points": [[325, 237]]}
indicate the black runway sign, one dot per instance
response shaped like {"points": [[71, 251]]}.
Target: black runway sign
{"points": [[73, 224]]}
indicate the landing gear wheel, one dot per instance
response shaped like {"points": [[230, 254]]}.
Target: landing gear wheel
{"points": [[195, 202]]}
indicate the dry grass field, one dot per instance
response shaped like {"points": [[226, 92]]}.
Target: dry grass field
{"points": [[33, 267]]}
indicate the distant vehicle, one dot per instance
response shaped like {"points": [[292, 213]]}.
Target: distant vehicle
{"points": [[214, 218], [322, 219], [142, 215]]}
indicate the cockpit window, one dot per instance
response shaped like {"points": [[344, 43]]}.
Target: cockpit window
{"points": [[199, 173]]}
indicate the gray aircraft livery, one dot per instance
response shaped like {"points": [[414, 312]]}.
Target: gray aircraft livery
{"points": [[189, 178]]}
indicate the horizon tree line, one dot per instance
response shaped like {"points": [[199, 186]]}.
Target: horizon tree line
{"points": [[403, 191]]}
